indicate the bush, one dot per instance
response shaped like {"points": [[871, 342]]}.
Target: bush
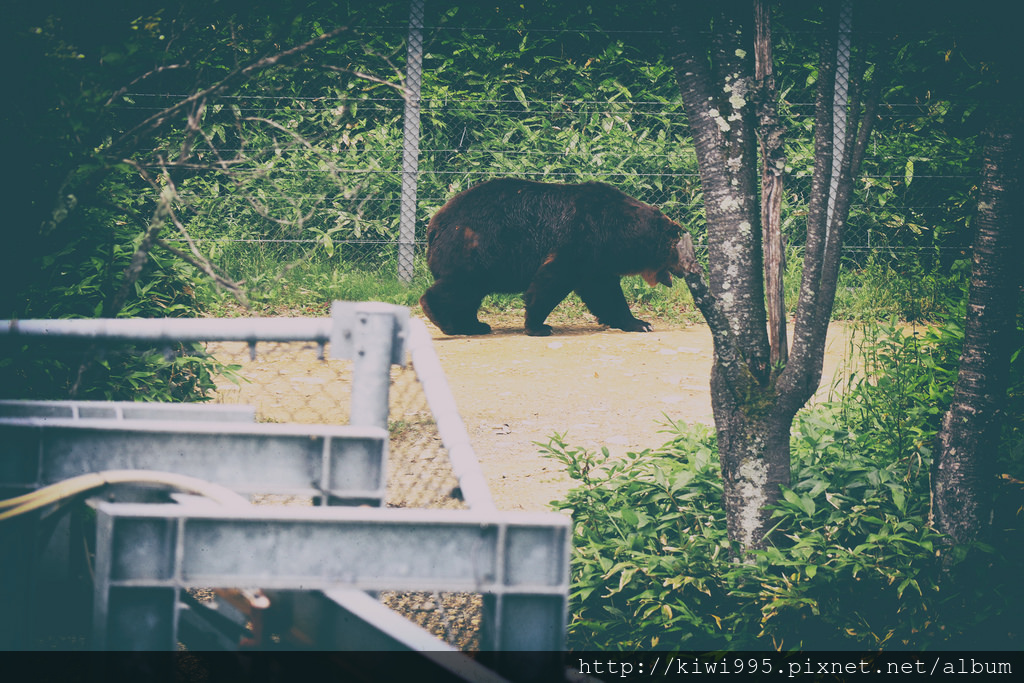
{"points": [[59, 369], [79, 281], [855, 562]]}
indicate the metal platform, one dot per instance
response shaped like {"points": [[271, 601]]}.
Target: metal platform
{"points": [[317, 568]]}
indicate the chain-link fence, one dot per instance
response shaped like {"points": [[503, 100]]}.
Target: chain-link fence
{"points": [[287, 382], [291, 382], [397, 156]]}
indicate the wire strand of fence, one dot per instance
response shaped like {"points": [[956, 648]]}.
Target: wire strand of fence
{"points": [[372, 182]]}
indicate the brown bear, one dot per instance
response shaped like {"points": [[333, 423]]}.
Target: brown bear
{"points": [[545, 240]]}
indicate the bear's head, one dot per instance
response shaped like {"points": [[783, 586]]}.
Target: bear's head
{"points": [[677, 252]]}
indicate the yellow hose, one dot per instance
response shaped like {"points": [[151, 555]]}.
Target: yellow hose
{"points": [[74, 486]]}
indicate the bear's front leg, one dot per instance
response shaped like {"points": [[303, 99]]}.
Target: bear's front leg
{"points": [[452, 306], [603, 296]]}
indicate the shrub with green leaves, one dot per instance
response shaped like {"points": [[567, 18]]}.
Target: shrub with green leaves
{"points": [[853, 561], [651, 562], [59, 369]]}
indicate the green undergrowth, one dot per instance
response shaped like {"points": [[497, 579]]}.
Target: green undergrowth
{"points": [[880, 286], [855, 563], [308, 286]]}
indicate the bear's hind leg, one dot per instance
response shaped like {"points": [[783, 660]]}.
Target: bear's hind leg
{"points": [[452, 306], [547, 289], [603, 297]]}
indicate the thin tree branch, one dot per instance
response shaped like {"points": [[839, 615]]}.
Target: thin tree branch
{"points": [[773, 161], [135, 81], [274, 124], [139, 258], [882, 70], [795, 382], [239, 74], [165, 210], [193, 127], [364, 76], [205, 266]]}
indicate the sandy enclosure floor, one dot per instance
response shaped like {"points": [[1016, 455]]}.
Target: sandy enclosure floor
{"points": [[597, 386], [601, 387]]}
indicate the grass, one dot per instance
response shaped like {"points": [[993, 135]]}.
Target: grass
{"points": [[308, 286], [876, 290], [276, 286], [871, 290], [669, 304]]}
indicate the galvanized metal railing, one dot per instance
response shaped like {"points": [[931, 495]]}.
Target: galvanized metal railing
{"points": [[149, 556]]}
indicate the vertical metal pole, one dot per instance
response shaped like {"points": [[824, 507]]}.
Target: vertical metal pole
{"points": [[840, 100], [139, 617], [371, 371], [411, 142]]}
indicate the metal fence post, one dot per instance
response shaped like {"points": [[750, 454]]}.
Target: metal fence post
{"points": [[371, 371], [411, 143], [840, 101]]}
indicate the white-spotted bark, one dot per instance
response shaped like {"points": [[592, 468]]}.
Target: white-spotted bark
{"points": [[755, 399]]}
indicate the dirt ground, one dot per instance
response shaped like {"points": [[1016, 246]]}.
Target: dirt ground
{"points": [[599, 386]]}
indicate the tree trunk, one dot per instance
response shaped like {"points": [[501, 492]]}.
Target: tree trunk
{"points": [[962, 472], [753, 446], [773, 162], [755, 390]]}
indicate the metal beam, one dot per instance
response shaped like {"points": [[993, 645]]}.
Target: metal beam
{"points": [[450, 426], [340, 330], [345, 463], [345, 619], [146, 554], [374, 338], [128, 410], [173, 329]]}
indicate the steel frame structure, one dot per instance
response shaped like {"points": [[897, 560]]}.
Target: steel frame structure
{"points": [[318, 561]]}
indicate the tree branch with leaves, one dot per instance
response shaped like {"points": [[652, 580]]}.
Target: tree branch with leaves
{"points": [[168, 95]]}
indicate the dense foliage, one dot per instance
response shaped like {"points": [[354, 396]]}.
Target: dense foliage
{"points": [[64, 369], [855, 565], [137, 153], [286, 181]]}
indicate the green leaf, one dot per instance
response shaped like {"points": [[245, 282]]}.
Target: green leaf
{"points": [[899, 499], [521, 97], [625, 577], [905, 584]]}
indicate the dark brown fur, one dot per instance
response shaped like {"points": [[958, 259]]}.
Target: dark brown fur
{"points": [[545, 240]]}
